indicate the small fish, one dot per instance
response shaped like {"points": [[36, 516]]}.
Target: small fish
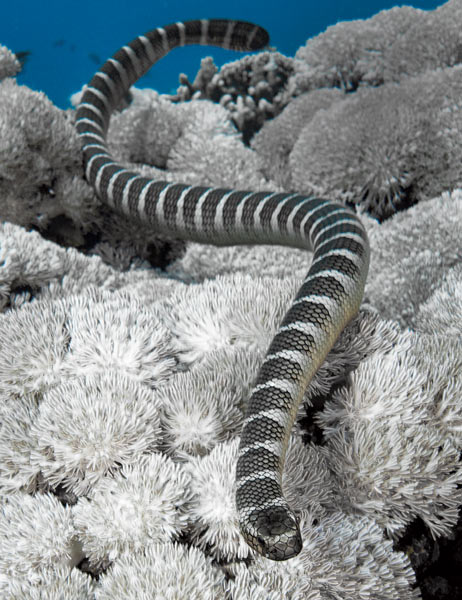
{"points": [[94, 58], [22, 56]]}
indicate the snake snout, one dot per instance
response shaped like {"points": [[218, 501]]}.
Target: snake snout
{"points": [[278, 535]]}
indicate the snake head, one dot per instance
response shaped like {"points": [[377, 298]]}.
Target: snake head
{"points": [[273, 532]]}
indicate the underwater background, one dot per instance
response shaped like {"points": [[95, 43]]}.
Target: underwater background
{"points": [[64, 43]]}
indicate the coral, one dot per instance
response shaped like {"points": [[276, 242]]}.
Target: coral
{"points": [[442, 312], [201, 262], [9, 64], [173, 571], [334, 563], [220, 318], [352, 53], [140, 505], [16, 445], [384, 148], [252, 89], [209, 151], [36, 533], [123, 388], [405, 269], [87, 427], [389, 454], [219, 337], [60, 340], [275, 141], [433, 42], [53, 583], [200, 410], [213, 509], [39, 154], [31, 268], [146, 130], [33, 343]]}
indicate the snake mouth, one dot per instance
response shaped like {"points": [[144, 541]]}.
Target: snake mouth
{"points": [[275, 533]]}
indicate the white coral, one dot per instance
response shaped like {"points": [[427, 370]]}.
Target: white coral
{"points": [[391, 459], [36, 532], [140, 505], [16, 445], [54, 583], [209, 151], [113, 334], [9, 64], [200, 410], [163, 571], [87, 427], [442, 312], [33, 342], [213, 509], [221, 318]]}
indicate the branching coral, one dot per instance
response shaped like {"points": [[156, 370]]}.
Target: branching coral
{"points": [[252, 89]]}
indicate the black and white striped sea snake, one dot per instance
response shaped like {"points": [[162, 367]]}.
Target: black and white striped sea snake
{"points": [[329, 297]]}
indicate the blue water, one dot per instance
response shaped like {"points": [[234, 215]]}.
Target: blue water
{"points": [[68, 40]]}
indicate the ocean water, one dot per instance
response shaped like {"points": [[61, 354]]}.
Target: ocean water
{"points": [[68, 41]]}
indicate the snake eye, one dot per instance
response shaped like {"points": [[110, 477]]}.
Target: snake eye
{"points": [[260, 541]]}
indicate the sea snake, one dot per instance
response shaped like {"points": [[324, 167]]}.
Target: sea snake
{"points": [[328, 298]]}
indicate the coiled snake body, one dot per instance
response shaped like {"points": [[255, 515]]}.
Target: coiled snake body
{"points": [[329, 297]]}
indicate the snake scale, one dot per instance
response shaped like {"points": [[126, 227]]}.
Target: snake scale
{"points": [[328, 298]]}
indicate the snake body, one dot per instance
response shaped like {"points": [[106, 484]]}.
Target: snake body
{"points": [[328, 298]]}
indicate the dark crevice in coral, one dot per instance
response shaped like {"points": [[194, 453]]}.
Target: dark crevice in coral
{"points": [[161, 256], [63, 231], [312, 433], [437, 563], [66, 497], [85, 566]]}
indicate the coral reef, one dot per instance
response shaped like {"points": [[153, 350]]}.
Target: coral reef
{"points": [[252, 89], [126, 360]]}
